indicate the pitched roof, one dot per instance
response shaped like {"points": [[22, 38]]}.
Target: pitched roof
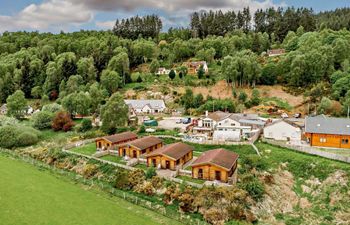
{"points": [[174, 151], [145, 142], [291, 123], [218, 115], [219, 157], [327, 125], [115, 138], [139, 104]]}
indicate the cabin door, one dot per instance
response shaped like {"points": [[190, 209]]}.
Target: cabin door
{"points": [[124, 152], [200, 173], [134, 154], [217, 175], [167, 164], [154, 162]]}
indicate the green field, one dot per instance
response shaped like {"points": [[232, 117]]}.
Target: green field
{"points": [[34, 197]]}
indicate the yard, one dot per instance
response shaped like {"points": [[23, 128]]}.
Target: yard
{"points": [[88, 149], [39, 197], [114, 158]]}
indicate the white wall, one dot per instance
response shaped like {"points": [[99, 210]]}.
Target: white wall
{"points": [[282, 131]]}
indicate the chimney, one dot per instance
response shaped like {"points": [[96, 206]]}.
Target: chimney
{"points": [[206, 113]]}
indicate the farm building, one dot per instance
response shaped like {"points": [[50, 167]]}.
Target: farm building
{"points": [[170, 156], [326, 131], [112, 141], [136, 148], [217, 164], [146, 106], [283, 130]]}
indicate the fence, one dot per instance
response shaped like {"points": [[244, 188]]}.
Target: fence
{"points": [[311, 151], [167, 212]]}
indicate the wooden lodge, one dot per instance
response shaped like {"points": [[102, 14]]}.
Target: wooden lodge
{"points": [[170, 156], [217, 164], [112, 141], [323, 131], [136, 148]]}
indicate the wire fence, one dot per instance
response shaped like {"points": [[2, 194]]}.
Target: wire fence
{"points": [[108, 188]]}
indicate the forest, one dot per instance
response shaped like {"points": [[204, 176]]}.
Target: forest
{"points": [[87, 67]]}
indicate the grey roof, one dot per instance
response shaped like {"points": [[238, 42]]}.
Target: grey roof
{"points": [[139, 104], [327, 125], [252, 122]]}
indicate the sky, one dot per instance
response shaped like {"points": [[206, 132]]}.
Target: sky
{"points": [[72, 15]]}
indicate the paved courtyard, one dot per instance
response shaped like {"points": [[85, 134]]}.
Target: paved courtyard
{"points": [[169, 123]]}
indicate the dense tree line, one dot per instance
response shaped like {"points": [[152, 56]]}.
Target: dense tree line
{"points": [[277, 22], [134, 27]]}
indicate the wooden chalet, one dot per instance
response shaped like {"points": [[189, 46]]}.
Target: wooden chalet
{"points": [[136, 148], [323, 131], [112, 141], [217, 164], [170, 156]]}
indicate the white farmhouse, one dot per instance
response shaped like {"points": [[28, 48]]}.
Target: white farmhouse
{"points": [[146, 106], [282, 130]]}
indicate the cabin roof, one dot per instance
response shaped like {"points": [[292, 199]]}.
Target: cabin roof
{"points": [[145, 142], [175, 151], [327, 125], [219, 157], [121, 137]]}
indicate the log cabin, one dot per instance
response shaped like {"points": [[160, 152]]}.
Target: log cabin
{"points": [[170, 156], [323, 131], [218, 164], [141, 146], [113, 141]]}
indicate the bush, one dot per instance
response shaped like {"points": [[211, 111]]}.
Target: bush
{"points": [[142, 129], [121, 180], [253, 186], [42, 120], [17, 136], [5, 120], [150, 172], [62, 121], [86, 124], [53, 108], [27, 139]]}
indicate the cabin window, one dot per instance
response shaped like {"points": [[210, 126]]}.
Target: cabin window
{"points": [[345, 141], [323, 140]]}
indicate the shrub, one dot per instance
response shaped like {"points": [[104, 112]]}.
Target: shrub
{"points": [[62, 121], [150, 172], [121, 180], [253, 186], [53, 108], [5, 120], [93, 134], [142, 129], [27, 139], [136, 177], [42, 120], [86, 124], [8, 136], [18, 136]]}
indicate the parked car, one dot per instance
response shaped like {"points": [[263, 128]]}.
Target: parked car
{"points": [[284, 115], [186, 120]]}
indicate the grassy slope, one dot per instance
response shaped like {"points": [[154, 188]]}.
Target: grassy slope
{"points": [[30, 196]]}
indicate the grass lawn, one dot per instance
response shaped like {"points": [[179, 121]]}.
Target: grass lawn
{"points": [[114, 158], [88, 149], [190, 179], [141, 166], [31, 196], [300, 164]]}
